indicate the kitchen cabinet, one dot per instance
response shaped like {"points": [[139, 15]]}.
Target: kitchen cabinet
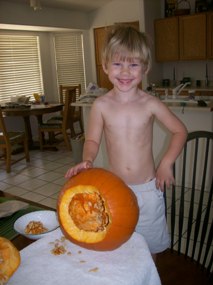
{"points": [[99, 38], [192, 37], [210, 35], [166, 39], [183, 37]]}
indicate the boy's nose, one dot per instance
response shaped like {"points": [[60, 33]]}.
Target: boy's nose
{"points": [[125, 69]]}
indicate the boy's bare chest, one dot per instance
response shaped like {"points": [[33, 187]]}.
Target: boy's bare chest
{"points": [[127, 116]]}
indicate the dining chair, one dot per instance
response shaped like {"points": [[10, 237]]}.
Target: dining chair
{"points": [[189, 212], [8, 141], [57, 127], [76, 112]]}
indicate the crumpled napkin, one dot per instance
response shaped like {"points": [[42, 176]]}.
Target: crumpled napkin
{"points": [[130, 264], [10, 207]]}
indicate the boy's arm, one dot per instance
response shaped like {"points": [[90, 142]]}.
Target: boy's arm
{"points": [[92, 142], [164, 172], [90, 150]]}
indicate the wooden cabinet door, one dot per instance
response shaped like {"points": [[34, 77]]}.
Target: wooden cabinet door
{"points": [[99, 37], [103, 80], [166, 39], [210, 35], [192, 35]]}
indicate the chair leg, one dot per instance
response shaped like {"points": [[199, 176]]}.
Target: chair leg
{"points": [[41, 140], [51, 137], [26, 150], [8, 159], [67, 141]]}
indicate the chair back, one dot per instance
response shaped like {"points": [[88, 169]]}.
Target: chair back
{"points": [[64, 89], [75, 112], [69, 96], [3, 131], [189, 204]]}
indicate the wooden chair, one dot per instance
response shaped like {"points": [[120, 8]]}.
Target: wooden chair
{"points": [[76, 112], [56, 127], [64, 88], [189, 211], [8, 140]]}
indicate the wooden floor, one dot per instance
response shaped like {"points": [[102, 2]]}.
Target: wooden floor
{"points": [[176, 270]]}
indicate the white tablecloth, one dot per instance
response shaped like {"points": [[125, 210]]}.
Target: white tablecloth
{"points": [[131, 264]]}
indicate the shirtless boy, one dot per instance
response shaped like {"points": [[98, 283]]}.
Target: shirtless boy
{"points": [[125, 115]]}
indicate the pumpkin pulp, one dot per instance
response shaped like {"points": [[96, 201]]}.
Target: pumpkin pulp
{"points": [[88, 212], [84, 214]]}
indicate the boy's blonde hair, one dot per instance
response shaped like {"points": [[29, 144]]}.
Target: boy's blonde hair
{"points": [[127, 43]]}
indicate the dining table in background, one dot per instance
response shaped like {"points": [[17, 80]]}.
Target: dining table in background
{"points": [[37, 110]]}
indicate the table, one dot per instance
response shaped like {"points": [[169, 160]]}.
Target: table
{"points": [[130, 264], [37, 110]]}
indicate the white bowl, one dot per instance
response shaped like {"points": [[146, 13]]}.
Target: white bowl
{"points": [[47, 218]]}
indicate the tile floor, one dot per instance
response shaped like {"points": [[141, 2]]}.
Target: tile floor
{"points": [[39, 180]]}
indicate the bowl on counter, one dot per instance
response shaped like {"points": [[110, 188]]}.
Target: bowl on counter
{"points": [[37, 224]]}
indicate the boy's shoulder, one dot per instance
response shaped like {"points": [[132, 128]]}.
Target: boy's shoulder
{"points": [[103, 98]]}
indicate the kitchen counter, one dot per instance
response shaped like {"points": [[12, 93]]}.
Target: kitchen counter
{"points": [[190, 106], [196, 88], [204, 93], [172, 105]]}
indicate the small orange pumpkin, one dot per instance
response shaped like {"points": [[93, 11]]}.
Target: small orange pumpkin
{"points": [[9, 259], [97, 210]]}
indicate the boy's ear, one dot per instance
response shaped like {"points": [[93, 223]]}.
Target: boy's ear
{"points": [[104, 66]]}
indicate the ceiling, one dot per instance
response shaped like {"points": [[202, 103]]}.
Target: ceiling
{"points": [[82, 5]]}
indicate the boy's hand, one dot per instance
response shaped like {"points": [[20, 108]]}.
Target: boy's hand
{"points": [[78, 168], [164, 175]]}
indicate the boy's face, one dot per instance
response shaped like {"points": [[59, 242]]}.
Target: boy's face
{"points": [[124, 72]]}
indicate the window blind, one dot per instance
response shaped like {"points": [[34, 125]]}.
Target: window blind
{"points": [[70, 59], [20, 66]]}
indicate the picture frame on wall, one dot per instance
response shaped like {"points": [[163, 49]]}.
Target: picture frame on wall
{"points": [[170, 6]]}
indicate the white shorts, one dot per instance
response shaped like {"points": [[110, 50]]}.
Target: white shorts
{"points": [[152, 221]]}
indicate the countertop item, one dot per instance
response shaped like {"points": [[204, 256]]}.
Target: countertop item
{"points": [[131, 264]]}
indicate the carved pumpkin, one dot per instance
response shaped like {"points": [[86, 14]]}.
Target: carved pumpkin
{"points": [[9, 259], [97, 210]]}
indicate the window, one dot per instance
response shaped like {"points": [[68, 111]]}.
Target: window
{"points": [[70, 59], [20, 66]]}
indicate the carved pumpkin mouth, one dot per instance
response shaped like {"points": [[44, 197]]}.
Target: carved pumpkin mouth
{"points": [[88, 212]]}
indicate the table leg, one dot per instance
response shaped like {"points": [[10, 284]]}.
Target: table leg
{"points": [[28, 130]]}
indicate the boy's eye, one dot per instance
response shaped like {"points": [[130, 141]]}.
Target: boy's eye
{"points": [[116, 63], [134, 64]]}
